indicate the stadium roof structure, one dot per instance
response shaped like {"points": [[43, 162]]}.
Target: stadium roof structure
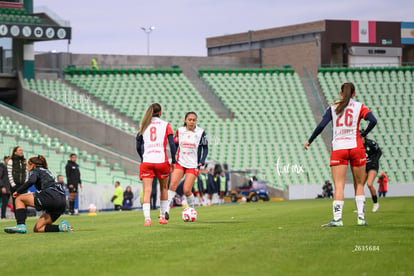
{"points": [[18, 23]]}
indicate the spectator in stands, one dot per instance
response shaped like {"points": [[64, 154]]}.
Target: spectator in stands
{"points": [[383, 185], [16, 170], [374, 153], [73, 178], [118, 196], [128, 198], [154, 194], [94, 64], [4, 186], [327, 191], [345, 115], [50, 198], [65, 187]]}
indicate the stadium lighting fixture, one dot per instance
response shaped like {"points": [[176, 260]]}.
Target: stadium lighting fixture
{"points": [[148, 31]]}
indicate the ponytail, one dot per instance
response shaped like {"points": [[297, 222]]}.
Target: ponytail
{"points": [[154, 110], [347, 91], [38, 161]]}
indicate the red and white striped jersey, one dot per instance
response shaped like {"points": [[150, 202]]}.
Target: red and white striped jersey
{"points": [[188, 144], [155, 141], [346, 125]]}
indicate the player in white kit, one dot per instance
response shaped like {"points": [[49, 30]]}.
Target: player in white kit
{"points": [[347, 145], [192, 150], [151, 143]]}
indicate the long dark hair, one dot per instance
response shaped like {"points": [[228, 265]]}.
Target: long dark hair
{"points": [[14, 150], [38, 161], [154, 110], [347, 91], [188, 114]]}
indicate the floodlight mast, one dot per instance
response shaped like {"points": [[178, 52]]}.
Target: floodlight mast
{"points": [[148, 31]]}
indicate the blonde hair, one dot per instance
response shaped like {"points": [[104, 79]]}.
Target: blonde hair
{"points": [[154, 110], [347, 90]]}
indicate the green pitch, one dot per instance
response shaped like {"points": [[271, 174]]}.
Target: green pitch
{"points": [[272, 238]]}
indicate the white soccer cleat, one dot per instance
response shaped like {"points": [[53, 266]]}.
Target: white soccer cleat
{"points": [[375, 207]]}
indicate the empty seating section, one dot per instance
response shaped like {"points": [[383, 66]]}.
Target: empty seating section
{"points": [[20, 16], [273, 119], [94, 168], [389, 94], [62, 93], [132, 91], [268, 127]]}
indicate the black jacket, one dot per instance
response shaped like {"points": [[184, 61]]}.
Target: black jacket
{"points": [[16, 169], [372, 150], [4, 178], [73, 174], [42, 179]]}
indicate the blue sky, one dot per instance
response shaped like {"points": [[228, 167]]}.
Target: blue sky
{"points": [[182, 26]]}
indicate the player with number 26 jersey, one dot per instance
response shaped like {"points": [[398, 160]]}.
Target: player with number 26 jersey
{"points": [[347, 147]]}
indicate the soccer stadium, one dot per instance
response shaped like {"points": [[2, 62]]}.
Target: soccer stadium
{"points": [[259, 96]]}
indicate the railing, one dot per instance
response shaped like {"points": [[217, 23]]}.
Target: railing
{"points": [[314, 90], [384, 64], [212, 97]]}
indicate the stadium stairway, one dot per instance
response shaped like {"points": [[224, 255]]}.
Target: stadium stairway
{"points": [[318, 105], [78, 123], [107, 155], [209, 96]]}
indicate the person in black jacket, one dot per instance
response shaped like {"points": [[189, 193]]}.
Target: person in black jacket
{"points": [[73, 180], [50, 198], [128, 198], [373, 152], [16, 170], [4, 186]]}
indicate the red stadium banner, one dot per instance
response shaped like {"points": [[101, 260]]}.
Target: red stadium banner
{"points": [[18, 4], [363, 32]]}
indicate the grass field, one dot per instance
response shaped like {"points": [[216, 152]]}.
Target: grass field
{"points": [[272, 238]]}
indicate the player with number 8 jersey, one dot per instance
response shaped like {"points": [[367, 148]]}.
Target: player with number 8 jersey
{"points": [[347, 146], [151, 143]]}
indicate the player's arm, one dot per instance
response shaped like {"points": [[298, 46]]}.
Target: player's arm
{"points": [[32, 179], [173, 148], [377, 150], [372, 122], [139, 142], [10, 172], [68, 174], [326, 118], [203, 147], [170, 138], [176, 140]]}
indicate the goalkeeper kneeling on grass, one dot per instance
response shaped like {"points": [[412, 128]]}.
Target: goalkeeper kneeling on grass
{"points": [[50, 198]]}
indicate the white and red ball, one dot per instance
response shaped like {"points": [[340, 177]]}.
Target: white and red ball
{"points": [[92, 208], [189, 215]]}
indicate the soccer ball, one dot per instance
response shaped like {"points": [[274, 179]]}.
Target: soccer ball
{"points": [[92, 208], [189, 215]]}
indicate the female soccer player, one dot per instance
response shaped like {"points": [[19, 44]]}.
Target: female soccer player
{"points": [[50, 198], [345, 115], [151, 143], [191, 154], [374, 153]]}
